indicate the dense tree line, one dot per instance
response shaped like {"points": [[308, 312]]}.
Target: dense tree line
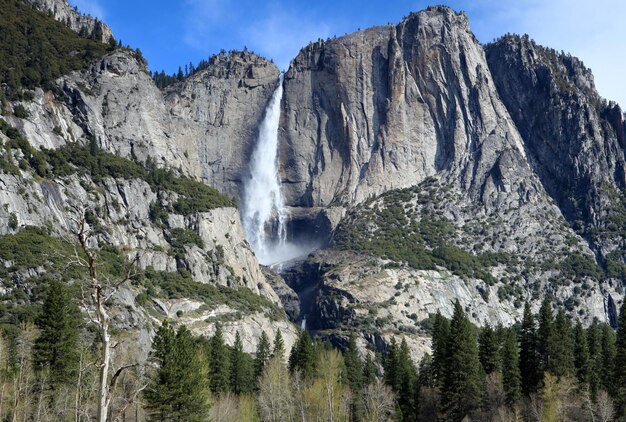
{"points": [[544, 368]]}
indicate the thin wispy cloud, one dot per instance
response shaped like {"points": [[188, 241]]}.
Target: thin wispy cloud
{"points": [[592, 33], [281, 35], [269, 29], [90, 7]]}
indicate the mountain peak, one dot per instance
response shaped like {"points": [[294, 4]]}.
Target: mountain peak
{"points": [[85, 25]]}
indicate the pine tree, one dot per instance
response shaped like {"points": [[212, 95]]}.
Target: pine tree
{"points": [[391, 366], [462, 387], [57, 344], [279, 346], [406, 375], [425, 376], [178, 390], [608, 359], [594, 342], [511, 377], [304, 356], [262, 356], [354, 366], [240, 370], [545, 337], [619, 376], [401, 376], [354, 376], [581, 355], [218, 362], [369, 371], [528, 353], [489, 350], [441, 330], [562, 364]]}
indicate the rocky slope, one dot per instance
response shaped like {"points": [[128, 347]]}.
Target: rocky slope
{"points": [[438, 167], [510, 147], [83, 24], [574, 137], [206, 247]]}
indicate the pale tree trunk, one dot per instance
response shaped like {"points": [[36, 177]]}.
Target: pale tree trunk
{"points": [[25, 342], [2, 400], [42, 388], [100, 293], [105, 352], [79, 380]]}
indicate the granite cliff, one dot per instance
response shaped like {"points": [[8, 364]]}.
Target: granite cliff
{"points": [[435, 168]]}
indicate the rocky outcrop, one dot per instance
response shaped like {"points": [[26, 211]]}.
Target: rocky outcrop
{"points": [[214, 116], [387, 107], [206, 125], [421, 104], [123, 207], [85, 25], [574, 138], [203, 322]]}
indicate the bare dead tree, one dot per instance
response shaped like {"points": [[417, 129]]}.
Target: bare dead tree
{"points": [[379, 402], [100, 291]]}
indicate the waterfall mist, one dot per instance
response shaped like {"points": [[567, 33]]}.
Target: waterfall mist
{"points": [[263, 213]]}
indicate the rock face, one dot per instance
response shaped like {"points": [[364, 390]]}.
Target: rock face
{"points": [[215, 115], [124, 208], [507, 146], [387, 107], [510, 144], [574, 138], [206, 125], [84, 25]]}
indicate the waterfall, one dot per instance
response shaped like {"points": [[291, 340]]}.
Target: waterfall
{"points": [[264, 215], [263, 211]]}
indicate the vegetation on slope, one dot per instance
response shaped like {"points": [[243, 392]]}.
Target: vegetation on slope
{"points": [[35, 49], [386, 229], [407, 227], [74, 158]]}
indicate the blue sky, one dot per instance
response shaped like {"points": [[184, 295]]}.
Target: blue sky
{"points": [[172, 33]]}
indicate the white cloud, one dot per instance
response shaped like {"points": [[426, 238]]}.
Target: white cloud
{"points": [[269, 29], [281, 35], [591, 31], [90, 7], [204, 17]]}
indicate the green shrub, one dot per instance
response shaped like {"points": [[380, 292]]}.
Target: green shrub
{"points": [[34, 159], [179, 238], [578, 266], [13, 221], [20, 112], [179, 285]]}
